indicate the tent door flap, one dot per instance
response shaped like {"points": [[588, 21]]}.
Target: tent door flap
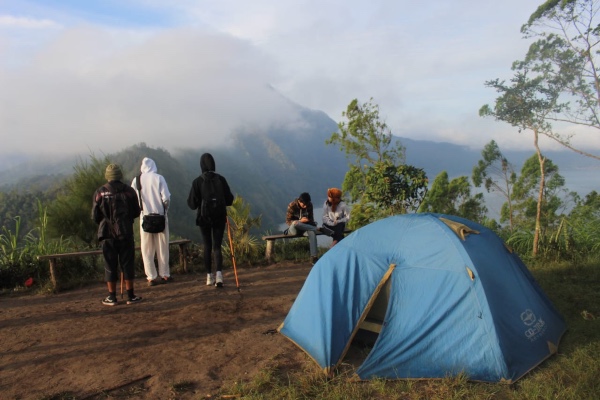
{"points": [[374, 319]]}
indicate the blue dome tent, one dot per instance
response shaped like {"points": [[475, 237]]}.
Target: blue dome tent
{"points": [[444, 294]]}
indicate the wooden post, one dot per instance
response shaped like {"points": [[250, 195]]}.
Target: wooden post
{"points": [[269, 249], [53, 274], [183, 256]]}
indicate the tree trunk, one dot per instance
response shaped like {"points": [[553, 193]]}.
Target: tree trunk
{"points": [[538, 215], [508, 199]]}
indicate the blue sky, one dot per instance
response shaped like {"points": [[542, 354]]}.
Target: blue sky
{"points": [[81, 75]]}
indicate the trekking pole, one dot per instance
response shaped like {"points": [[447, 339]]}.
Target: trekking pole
{"points": [[232, 254], [121, 285]]}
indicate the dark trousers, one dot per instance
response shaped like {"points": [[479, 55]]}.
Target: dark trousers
{"points": [[338, 230], [118, 252], [212, 237]]}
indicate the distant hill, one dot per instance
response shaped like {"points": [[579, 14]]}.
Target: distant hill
{"points": [[457, 160], [268, 169]]}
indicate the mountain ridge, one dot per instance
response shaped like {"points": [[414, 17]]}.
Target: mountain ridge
{"points": [[268, 168]]}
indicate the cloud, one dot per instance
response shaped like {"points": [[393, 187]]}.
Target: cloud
{"points": [[421, 64], [10, 21], [178, 88], [104, 75]]}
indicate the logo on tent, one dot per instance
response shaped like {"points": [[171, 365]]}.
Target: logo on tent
{"points": [[537, 326], [528, 317]]}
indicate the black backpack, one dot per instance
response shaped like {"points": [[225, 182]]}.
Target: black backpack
{"points": [[119, 220], [213, 205]]}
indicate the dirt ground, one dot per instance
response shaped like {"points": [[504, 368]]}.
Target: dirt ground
{"points": [[182, 332]]}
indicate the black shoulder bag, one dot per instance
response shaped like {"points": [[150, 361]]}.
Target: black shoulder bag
{"points": [[151, 223]]}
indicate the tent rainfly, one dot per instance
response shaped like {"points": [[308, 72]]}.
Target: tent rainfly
{"points": [[445, 295]]}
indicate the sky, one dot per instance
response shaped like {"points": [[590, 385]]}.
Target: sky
{"points": [[100, 75]]}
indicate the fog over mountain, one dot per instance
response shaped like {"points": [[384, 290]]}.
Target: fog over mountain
{"points": [[76, 80], [269, 167]]}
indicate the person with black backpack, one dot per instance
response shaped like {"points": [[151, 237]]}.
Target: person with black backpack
{"points": [[210, 195], [115, 206]]}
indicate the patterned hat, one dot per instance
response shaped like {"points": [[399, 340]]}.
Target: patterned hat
{"points": [[113, 173]]}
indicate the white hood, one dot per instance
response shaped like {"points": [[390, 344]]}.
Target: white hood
{"points": [[155, 192], [148, 165]]}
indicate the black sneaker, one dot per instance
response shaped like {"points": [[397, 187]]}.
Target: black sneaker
{"points": [[154, 282], [313, 260], [134, 299], [109, 301], [167, 279]]}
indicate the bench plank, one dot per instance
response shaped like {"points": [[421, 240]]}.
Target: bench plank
{"points": [[69, 255], [371, 325], [270, 239]]}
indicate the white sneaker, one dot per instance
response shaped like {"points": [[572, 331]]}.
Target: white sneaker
{"points": [[210, 280], [219, 279]]}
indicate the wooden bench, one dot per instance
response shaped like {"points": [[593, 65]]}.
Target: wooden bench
{"points": [[182, 243], [272, 238], [370, 324]]}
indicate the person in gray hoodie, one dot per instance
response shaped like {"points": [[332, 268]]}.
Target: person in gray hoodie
{"points": [[212, 229], [154, 198]]}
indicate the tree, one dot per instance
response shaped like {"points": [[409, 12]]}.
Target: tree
{"points": [[454, 198], [560, 67], [563, 62], [368, 140], [527, 204], [377, 182], [526, 104], [497, 175], [584, 224], [397, 189], [245, 245]]}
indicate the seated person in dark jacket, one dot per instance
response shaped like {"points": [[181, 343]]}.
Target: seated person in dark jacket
{"points": [[300, 219]]}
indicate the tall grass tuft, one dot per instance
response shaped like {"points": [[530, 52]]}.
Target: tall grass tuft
{"points": [[18, 252]]}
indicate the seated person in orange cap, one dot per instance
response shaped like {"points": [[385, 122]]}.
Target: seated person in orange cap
{"points": [[335, 214]]}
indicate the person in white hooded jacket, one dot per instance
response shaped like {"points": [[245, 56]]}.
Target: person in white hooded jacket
{"points": [[154, 197]]}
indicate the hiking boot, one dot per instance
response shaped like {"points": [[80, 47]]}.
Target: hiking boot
{"points": [[167, 279], [109, 301], [134, 299], [210, 280], [154, 282], [313, 260], [219, 282]]}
